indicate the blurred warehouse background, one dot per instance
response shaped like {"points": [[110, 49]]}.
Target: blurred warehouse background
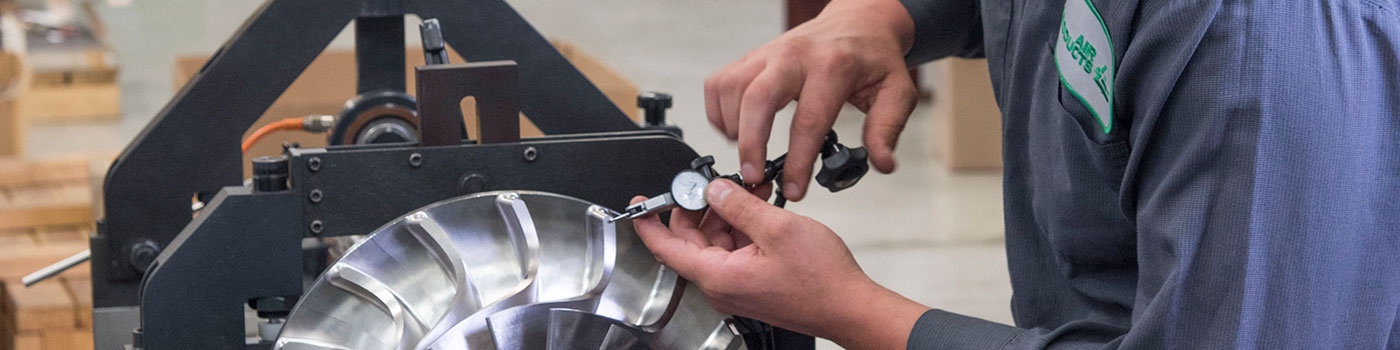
{"points": [[932, 230]]}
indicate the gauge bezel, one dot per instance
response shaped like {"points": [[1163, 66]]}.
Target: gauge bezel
{"points": [[688, 176]]}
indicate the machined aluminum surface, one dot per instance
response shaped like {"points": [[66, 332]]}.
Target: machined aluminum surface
{"points": [[488, 271]]}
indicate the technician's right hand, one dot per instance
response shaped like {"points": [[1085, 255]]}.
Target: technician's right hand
{"points": [[753, 259], [852, 52]]}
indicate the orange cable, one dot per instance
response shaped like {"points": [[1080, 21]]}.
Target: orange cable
{"points": [[284, 124]]}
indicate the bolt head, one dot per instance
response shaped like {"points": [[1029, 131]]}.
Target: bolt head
{"points": [[652, 99], [471, 183], [142, 254]]}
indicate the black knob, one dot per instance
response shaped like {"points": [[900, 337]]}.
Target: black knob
{"points": [[142, 254], [270, 173], [702, 162], [654, 104], [842, 167]]}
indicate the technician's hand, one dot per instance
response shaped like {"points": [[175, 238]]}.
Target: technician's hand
{"points": [[759, 261], [852, 52]]}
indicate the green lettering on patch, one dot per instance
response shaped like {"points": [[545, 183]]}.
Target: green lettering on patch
{"points": [[1084, 58]]}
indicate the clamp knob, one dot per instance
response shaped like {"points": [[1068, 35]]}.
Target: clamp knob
{"points": [[841, 166], [704, 165], [655, 105], [270, 173], [843, 169]]}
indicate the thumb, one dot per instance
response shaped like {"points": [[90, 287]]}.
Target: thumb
{"points": [[893, 103], [746, 212]]}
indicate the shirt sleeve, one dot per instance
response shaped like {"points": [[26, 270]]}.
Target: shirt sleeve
{"points": [[1263, 181], [944, 28]]}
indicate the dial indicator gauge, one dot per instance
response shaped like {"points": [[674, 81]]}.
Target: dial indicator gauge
{"points": [[688, 189]]}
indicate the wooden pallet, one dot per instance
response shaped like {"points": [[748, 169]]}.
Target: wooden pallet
{"points": [[45, 216]]}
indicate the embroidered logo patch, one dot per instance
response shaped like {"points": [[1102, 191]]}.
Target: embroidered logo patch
{"points": [[1084, 57]]}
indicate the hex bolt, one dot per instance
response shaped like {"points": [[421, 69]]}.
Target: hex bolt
{"points": [[415, 160], [531, 154], [317, 226], [315, 196], [314, 164]]}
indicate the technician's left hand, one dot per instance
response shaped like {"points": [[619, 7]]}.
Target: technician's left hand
{"points": [[756, 260]]}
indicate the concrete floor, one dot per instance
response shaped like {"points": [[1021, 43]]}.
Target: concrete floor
{"points": [[930, 234]]}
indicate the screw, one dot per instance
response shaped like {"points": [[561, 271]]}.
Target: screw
{"points": [[531, 153], [314, 164], [415, 160], [317, 226], [315, 196]]}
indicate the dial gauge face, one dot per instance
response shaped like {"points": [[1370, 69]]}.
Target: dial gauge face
{"points": [[688, 189]]}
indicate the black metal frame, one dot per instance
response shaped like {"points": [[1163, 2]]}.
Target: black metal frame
{"points": [[191, 147], [245, 244]]}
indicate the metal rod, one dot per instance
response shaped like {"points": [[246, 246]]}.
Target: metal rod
{"points": [[56, 268]]}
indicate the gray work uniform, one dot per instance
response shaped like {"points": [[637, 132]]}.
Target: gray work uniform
{"points": [[1247, 194]]}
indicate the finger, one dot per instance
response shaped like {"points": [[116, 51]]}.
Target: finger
{"points": [[762, 222], [731, 94], [888, 113], [685, 219], [763, 191], [717, 231], [686, 224], [685, 257], [712, 106], [741, 239], [770, 91], [713, 224], [820, 101]]}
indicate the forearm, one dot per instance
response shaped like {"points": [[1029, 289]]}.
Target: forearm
{"points": [[944, 28], [869, 316]]}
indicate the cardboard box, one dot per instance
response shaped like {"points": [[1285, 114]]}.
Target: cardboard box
{"points": [[329, 81], [83, 89], [44, 193], [11, 85], [967, 119], [45, 316]]}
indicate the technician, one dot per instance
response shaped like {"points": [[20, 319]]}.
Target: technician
{"points": [[1178, 174]]}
